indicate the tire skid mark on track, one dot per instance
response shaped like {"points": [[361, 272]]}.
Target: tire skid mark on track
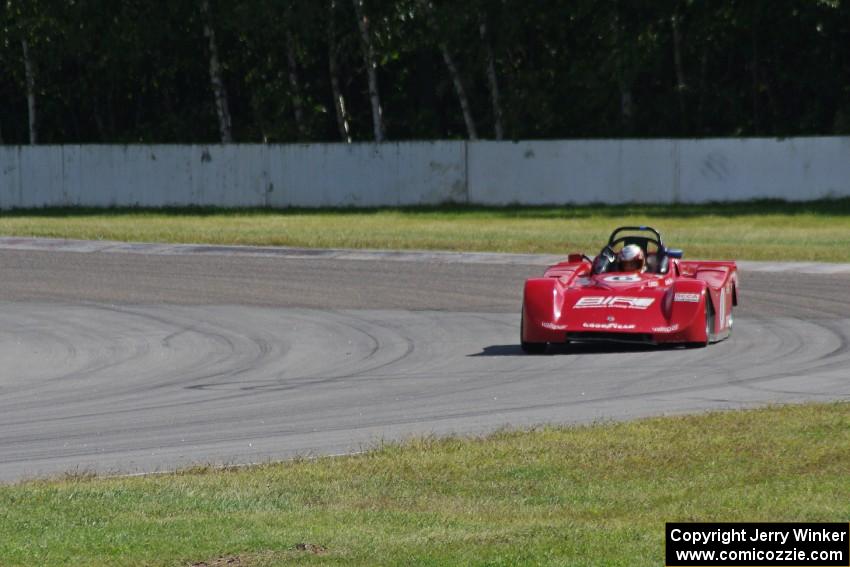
{"points": [[260, 351], [153, 383], [332, 374]]}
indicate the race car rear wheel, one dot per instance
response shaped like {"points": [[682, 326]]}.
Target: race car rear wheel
{"points": [[709, 320]]}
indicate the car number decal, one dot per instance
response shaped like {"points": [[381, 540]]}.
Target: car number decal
{"points": [[618, 301]]}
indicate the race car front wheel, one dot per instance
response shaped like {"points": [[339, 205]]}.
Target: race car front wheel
{"points": [[527, 347], [709, 326], [533, 348]]}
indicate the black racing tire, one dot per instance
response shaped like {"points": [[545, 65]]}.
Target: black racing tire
{"points": [[709, 325], [533, 348], [731, 320], [527, 347], [709, 319]]}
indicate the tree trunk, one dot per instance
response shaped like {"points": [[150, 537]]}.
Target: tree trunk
{"points": [[755, 72], [461, 93], [703, 69], [626, 107], [775, 126], [491, 79], [216, 81], [626, 101], [29, 72], [99, 122], [333, 69], [295, 85], [371, 70], [681, 86], [453, 73]]}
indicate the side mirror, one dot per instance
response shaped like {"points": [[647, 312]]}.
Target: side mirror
{"points": [[575, 258], [675, 253]]}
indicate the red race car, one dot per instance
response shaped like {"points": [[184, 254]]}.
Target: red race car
{"points": [[635, 291]]}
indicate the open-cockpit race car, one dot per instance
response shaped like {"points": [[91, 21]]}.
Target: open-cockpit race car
{"points": [[636, 290]]}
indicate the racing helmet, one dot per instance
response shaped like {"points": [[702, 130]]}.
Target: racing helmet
{"points": [[631, 258]]}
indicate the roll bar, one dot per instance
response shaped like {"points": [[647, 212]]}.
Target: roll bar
{"points": [[642, 228]]}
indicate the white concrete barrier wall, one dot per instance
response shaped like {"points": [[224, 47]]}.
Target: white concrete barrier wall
{"points": [[367, 175], [658, 171], [580, 171], [740, 169], [423, 173]]}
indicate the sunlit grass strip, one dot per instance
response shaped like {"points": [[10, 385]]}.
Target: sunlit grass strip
{"points": [[814, 231], [596, 495]]}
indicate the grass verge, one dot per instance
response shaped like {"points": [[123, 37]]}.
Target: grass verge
{"points": [[761, 230], [595, 495]]}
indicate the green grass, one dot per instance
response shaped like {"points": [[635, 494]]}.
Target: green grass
{"points": [[762, 230], [595, 495]]}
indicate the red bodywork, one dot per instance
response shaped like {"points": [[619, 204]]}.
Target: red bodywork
{"points": [[691, 303]]}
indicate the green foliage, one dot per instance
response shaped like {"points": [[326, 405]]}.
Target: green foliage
{"points": [[113, 71]]}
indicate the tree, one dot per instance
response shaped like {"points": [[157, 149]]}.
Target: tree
{"points": [[29, 71], [340, 111], [216, 81], [492, 80], [26, 20], [295, 84], [132, 71], [681, 85], [428, 9], [371, 70]]}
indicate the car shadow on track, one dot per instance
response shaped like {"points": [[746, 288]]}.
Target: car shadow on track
{"points": [[573, 349]]}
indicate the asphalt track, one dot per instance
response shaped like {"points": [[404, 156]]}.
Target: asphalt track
{"points": [[128, 358]]}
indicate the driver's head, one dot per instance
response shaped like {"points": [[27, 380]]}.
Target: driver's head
{"points": [[631, 258]]}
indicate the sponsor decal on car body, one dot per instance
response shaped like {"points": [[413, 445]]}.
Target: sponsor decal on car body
{"points": [[671, 329], [554, 326], [626, 278], [687, 297], [615, 301], [608, 326]]}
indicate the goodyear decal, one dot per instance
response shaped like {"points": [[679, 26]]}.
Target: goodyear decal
{"points": [[608, 326]]}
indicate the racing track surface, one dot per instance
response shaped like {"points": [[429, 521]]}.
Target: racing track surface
{"points": [[139, 362]]}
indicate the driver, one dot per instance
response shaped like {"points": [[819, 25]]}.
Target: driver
{"points": [[631, 259]]}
